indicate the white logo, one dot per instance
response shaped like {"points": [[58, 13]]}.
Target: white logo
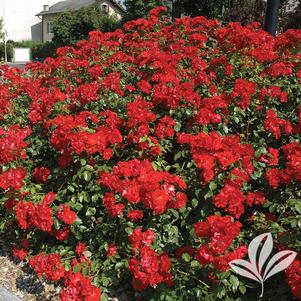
{"points": [[253, 269]]}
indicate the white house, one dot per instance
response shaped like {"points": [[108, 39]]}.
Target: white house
{"points": [[20, 20], [110, 7]]}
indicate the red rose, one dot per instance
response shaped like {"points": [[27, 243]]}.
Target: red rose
{"points": [[66, 215]]}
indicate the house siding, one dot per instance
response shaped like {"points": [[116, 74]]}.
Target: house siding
{"points": [[47, 18], [112, 11]]}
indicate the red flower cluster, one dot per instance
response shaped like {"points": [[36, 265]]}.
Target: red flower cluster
{"points": [[86, 93], [293, 276], [211, 149], [20, 253], [276, 125], [242, 92], [72, 134], [271, 158], [138, 238], [5, 96], [48, 266], [41, 174], [292, 171], [280, 69], [13, 178], [231, 199], [137, 182], [79, 288], [207, 113], [12, 144], [147, 267], [150, 269], [38, 216], [135, 215], [273, 92], [221, 231], [66, 215], [165, 128], [112, 249]]}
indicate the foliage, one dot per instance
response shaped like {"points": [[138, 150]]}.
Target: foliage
{"points": [[292, 19], [148, 158], [207, 8], [238, 11], [43, 50], [9, 49], [38, 49], [136, 9], [72, 26]]}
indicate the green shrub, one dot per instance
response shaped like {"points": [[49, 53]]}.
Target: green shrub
{"points": [[9, 49], [149, 158], [43, 50]]}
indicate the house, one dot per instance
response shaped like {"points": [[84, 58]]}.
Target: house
{"points": [[19, 20], [50, 13]]}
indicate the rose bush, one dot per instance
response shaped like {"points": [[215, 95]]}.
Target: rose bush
{"points": [[153, 155]]}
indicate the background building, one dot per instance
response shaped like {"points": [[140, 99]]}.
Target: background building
{"points": [[48, 14]]}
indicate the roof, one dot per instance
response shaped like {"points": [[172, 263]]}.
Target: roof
{"points": [[68, 5]]}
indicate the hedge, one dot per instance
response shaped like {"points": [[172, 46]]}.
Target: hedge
{"points": [[149, 158]]}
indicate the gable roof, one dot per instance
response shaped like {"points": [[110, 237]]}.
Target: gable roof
{"points": [[68, 5]]}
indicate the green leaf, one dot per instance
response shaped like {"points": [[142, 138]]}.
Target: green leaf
{"points": [[242, 289], [87, 176], [194, 264], [71, 188], [76, 268], [90, 211], [77, 206], [56, 224], [104, 297], [212, 186], [174, 212], [177, 127], [225, 129], [186, 257], [235, 282], [194, 203], [298, 207], [221, 292]]}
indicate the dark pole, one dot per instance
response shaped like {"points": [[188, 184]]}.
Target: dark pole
{"points": [[271, 17]]}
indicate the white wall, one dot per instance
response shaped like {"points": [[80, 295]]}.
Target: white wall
{"points": [[19, 18]]}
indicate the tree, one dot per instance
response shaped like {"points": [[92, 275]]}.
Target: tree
{"points": [[292, 18], [207, 8], [246, 12], [73, 26], [243, 11], [139, 8]]}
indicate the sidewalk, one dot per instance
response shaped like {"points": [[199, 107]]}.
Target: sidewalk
{"points": [[5, 295]]}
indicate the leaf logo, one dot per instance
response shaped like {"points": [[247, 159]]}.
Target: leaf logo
{"points": [[253, 269]]}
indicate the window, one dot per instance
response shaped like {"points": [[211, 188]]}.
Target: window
{"points": [[105, 8], [49, 27]]}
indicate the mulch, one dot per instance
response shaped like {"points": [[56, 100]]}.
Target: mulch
{"points": [[18, 279]]}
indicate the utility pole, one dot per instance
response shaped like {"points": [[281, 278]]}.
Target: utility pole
{"points": [[271, 17], [4, 34]]}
